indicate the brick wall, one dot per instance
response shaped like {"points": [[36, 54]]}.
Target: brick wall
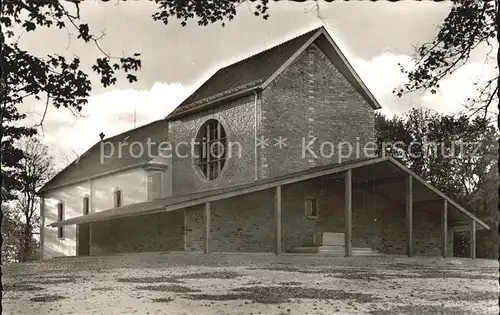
{"points": [[311, 99], [239, 224], [195, 223], [238, 119], [427, 230], [376, 222], [243, 224], [145, 233], [247, 223]]}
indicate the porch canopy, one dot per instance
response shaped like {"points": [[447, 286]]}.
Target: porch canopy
{"points": [[386, 174], [381, 176]]}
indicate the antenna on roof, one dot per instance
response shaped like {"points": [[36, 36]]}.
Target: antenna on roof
{"points": [[134, 114]]}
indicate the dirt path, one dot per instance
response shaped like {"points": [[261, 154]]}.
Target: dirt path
{"points": [[251, 284]]}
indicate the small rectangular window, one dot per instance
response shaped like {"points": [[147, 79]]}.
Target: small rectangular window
{"points": [[60, 217], [86, 205], [118, 199], [311, 208]]}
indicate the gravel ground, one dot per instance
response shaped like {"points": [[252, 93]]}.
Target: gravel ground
{"points": [[168, 283]]}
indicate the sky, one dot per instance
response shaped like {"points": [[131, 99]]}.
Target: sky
{"points": [[375, 37]]}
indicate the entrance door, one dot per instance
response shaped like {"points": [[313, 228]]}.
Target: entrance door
{"points": [[84, 239]]}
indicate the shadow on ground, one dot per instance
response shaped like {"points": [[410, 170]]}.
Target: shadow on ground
{"points": [[283, 294]]}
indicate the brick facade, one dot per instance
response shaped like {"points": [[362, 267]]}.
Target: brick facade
{"points": [[238, 120], [376, 222], [311, 99], [145, 233], [194, 226], [243, 224], [246, 223]]}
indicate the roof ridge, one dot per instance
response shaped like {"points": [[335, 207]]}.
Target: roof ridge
{"points": [[272, 47], [133, 129], [91, 150], [245, 70]]}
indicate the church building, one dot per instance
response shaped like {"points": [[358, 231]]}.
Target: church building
{"points": [[272, 154]]}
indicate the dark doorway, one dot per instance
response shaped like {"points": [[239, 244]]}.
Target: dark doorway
{"points": [[461, 244], [84, 239]]}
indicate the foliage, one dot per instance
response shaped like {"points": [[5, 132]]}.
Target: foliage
{"points": [[469, 25], [11, 233], [21, 217], [53, 79], [456, 154], [37, 167], [60, 81], [206, 12], [452, 152], [11, 155]]}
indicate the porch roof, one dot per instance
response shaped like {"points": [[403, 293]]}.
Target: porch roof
{"points": [[380, 172]]}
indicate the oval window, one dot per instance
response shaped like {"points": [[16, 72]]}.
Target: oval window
{"points": [[212, 145]]}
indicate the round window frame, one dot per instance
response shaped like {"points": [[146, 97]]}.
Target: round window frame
{"points": [[195, 159]]}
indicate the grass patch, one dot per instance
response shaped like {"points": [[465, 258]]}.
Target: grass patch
{"points": [[417, 273], [421, 309], [58, 276], [103, 289], [211, 275], [162, 300], [55, 281], [22, 287], [362, 276], [219, 297], [47, 298], [169, 288], [315, 271], [289, 269], [283, 294], [444, 274], [290, 283], [177, 279], [471, 296], [149, 280]]}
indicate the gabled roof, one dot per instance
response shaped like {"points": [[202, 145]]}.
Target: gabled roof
{"points": [[89, 164], [257, 71], [245, 76]]}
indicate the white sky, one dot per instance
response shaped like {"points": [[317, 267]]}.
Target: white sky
{"points": [[375, 36]]}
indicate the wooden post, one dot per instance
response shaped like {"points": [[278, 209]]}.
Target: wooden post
{"points": [[277, 215], [348, 213], [77, 237], [473, 239], [42, 227], [409, 216], [207, 228], [184, 230], [444, 229]]}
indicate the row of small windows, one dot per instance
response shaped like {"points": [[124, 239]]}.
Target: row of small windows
{"points": [[117, 202]]}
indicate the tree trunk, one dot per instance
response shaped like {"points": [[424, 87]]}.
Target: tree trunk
{"points": [[26, 244]]}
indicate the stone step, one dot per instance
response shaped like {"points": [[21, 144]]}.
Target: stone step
{"points": [[334, 250], [328, 238]]}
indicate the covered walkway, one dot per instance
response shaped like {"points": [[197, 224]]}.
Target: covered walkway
{"points": [[383, 176]]}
